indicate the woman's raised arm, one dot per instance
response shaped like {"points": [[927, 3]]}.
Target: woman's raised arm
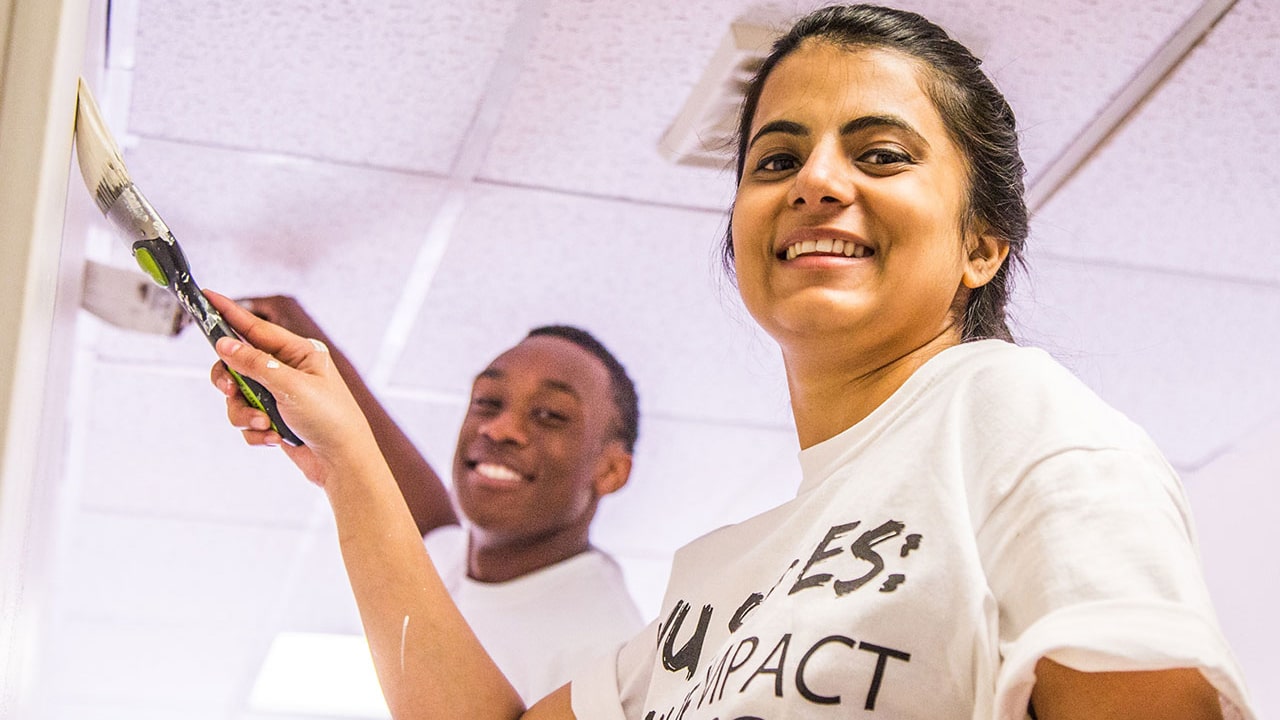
{"points": [[429, 662]]}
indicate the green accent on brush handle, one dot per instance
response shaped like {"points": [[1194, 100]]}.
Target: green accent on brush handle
{"points": [[169, 262], [148, 263]]}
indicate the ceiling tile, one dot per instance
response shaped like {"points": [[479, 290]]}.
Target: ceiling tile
{"points": [[602, 83], [150, 666], [1058, 62], [358, 83], [131, 568], [171, 452], [645, 280], [1185, 357], [319, 598], [133, 709], [432, 425], [1186, 183]]}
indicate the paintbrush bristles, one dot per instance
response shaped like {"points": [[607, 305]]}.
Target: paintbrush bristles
{"points": [[101, 164]]}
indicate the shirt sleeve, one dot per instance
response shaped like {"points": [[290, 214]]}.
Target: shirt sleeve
{"points": [[1091, 558], [447, 547], [616, 690]]}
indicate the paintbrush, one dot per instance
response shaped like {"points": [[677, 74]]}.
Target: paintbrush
{"points": [[153, 246]]}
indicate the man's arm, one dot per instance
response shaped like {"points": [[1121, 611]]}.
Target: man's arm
{"points": [[423, 490]]}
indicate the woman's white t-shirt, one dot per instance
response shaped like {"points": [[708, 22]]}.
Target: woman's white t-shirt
{"points": [[993, 511]]}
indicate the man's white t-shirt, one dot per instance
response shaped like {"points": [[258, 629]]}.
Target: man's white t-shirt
{"points": [[991, 512], [544, 628]]}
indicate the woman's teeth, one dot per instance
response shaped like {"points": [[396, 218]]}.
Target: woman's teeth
{"points": [[828, 246]]}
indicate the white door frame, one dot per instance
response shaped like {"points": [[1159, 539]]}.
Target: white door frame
{"points": [[42, 47]]}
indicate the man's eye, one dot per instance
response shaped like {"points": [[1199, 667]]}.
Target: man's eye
{"points": [[486, 404], [550, 417], [777, 163]]}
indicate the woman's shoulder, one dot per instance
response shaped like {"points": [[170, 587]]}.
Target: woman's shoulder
{"points": [[1002, 362], [1023, 390], [1007, 372]]}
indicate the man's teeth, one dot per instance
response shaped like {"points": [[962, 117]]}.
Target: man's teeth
{"points": [[498, 472], [828, 245]]}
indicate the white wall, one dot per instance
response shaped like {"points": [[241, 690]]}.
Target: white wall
{"points": [[41, 51]]}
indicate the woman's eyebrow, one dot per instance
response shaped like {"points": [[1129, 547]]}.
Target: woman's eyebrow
{"points": [[883, 121], [790, 127], [786, 127]]}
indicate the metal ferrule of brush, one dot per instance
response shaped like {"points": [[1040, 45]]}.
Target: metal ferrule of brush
{"points": [[131, 212]]}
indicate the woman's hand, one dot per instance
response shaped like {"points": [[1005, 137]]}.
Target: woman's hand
{"points": [[309, 393]]}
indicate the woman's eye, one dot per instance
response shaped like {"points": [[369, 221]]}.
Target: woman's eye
{"points": [[884, 156], [777, 163]]}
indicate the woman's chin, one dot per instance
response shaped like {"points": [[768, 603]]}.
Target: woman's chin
{"points": [[815, 312]]}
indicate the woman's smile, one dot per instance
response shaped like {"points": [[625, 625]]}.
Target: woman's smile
{"points": [[823, 242]]}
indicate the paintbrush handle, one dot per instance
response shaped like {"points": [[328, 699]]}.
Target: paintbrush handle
{"points": [[163, 259]]}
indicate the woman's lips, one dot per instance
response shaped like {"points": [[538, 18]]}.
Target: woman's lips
{"points": [[823, 242]]}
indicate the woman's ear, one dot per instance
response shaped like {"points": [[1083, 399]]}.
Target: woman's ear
{"points": [[614, 469], [987, 253]]}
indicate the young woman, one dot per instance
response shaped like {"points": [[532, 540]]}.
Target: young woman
{"points": [[976, 535]]}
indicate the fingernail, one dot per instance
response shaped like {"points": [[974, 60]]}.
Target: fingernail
{"points": [[259, 423], [230, 346]]}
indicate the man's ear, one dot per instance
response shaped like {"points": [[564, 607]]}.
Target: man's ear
{"points": [[613, 468], [987, 252]]}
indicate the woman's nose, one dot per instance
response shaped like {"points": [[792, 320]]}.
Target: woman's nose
{"points": [[824, 180]]}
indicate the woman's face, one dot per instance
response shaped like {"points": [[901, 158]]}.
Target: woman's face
{"points": [[848, 215]]}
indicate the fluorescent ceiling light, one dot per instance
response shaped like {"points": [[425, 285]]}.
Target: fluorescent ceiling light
{"points": [[319, 674], [703, 132]]}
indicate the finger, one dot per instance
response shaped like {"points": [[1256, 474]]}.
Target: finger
{"points": [[273, 339], [261, 438], [244, 416], [249, 361], [221, 379], [259, 333]]}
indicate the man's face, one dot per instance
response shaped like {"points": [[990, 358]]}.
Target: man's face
{"points": [[532, 443]]}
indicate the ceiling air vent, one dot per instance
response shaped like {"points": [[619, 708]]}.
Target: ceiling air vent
{"points": [[703, 133]]}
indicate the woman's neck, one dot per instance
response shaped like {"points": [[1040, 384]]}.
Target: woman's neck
{"points": [[834, 388]]}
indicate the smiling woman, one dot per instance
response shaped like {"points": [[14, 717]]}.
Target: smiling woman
{"points": [[977, 535]]}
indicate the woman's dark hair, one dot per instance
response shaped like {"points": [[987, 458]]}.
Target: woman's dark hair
{"points": [[975, 113], [625, 400]]}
